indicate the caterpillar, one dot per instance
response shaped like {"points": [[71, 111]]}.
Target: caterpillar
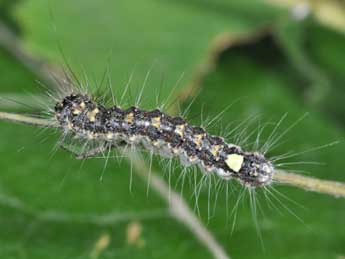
{"points": [[84, 118]]}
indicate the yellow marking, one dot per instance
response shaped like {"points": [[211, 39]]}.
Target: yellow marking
{"points": [[76, 111], [69, 125], [192, 159], [214, 150], [109, 135], [180, 129], [198, 139], [92, 114], [133, 138], [156, 122], [175, 150], [82, 105], [155, 143], [234, 162], [129, 117], [90, 135], [208, 168]]}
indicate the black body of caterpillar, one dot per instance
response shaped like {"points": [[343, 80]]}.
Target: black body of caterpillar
{"points": [[170, 136]]}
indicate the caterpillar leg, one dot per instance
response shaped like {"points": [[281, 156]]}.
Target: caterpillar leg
{"points": [[85, 154]]}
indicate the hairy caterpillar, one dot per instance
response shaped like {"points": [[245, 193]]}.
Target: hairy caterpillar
{"points": [[86, 119]]}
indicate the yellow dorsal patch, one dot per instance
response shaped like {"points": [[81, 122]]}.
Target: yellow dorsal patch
{"points": [[192, 159], [175, 150], [234, 162], [79, 108], [155, 143], [110, 135], [156, 122], [76, 111], [129, 117], [180, 129], [82, 105], [92, 114], [214, 150], [90, 135], [198, 139], [69, 125]]}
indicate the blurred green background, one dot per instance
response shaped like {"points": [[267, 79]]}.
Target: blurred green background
{"points": [[266, 57]]}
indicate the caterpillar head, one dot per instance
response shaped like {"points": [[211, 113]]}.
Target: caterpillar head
{"points": [[256, 170], [251, 168]]}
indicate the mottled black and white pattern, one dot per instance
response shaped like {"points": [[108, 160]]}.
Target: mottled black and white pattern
{"points": [[168, 136]]}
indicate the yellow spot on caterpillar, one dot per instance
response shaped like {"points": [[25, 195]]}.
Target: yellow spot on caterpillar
{"points": [[156, 122], [234, 162], [214, 150], [129, 117], [76, 111], [82, 105], [90, 135], [69, 125], [156, 143], [92, 114], [208, 168], [198, 139], [133, 138], [109, 135], [176, 150], [180, 129], [193, 159]]}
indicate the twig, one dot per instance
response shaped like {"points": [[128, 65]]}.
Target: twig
{"points": [[333, 188], [20, 118]]}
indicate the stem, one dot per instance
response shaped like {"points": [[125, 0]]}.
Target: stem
{"points": [[24, 119], [333, 188]]}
